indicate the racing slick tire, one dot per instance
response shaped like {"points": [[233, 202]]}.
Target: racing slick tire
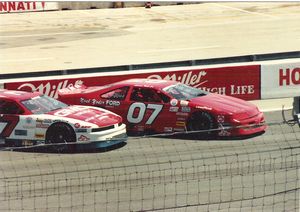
{"points": [[60, 133], [202, 121]]}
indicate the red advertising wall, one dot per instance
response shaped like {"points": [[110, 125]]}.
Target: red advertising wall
{"points": [[238, 81]]}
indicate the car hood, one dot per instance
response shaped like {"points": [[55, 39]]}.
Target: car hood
{"points": [[93, 115], [225, 104]]}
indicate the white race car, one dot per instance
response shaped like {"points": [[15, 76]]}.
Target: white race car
{"points": [[28, 119]]}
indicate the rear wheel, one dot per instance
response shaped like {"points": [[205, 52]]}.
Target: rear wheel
{"points": [[202, 121]]}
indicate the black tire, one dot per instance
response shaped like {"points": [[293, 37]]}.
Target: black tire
{"points": [[60, 133], [202, 121]]}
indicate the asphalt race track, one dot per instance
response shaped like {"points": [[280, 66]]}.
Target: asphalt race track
{"points": [[259, 174]]}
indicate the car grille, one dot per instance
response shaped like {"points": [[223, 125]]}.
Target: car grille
{"points": [[105, 128]]}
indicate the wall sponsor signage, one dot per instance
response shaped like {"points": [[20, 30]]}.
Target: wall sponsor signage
{"points": [[280, 80], [238, 81], [26, 6]]}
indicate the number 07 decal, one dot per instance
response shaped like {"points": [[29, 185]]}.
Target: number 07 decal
{"points": [[142, 110]]}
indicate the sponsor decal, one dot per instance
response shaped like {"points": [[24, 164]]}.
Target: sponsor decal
{"points": [[220, 119], [174, 102], [179, 129], [186, 109], [45, 121], [174, 109], [29, 126], [168, 129], [71, 110], [224, 133], [57, 120], [42, 125], [181, 118], [29, 123], [28, 120], [203, 107], [39, 136], [81, 130], [112, 103], [91, 101], [21, 132], [140, 128], [83, 138], [77, 125], [182, 114], [28, 143], [184, 103], [99, 102], [180, 123]]}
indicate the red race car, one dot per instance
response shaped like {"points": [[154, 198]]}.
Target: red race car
{"points": [[162, 106]]}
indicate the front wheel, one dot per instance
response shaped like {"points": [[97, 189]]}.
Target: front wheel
{"points": [[203, 122], [60, 133]]}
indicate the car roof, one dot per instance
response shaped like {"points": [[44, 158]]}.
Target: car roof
{"points": [[154, 83], [17, 95]]}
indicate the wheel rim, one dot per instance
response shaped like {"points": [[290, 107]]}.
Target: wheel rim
{"points": [[60, 135], [200, 122]]}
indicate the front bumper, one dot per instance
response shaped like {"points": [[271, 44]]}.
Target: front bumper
{"points": [[249, 126], [106, 136]]}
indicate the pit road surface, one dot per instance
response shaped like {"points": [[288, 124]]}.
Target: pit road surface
{"points": [[179, 174], [104, 37]]}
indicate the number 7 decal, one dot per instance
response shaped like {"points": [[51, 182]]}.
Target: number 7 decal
{"points": [[142, 110], [11, 122]]}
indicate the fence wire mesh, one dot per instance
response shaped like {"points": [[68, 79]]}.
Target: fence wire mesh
{"points": [[160, 174]]}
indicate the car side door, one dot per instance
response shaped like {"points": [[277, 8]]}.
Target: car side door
{"points": [[147, 110]]}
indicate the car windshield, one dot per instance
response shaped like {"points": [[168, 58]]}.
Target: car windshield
{"points": [[184, 92], [42, 104]]}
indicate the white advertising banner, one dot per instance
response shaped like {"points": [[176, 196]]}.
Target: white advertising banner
{"points": [[280, 80], [26, 6]]}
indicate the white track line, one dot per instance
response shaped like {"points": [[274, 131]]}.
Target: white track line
{"points": [[178, 49], [49, 34], [26, 59], [245, 11]]}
